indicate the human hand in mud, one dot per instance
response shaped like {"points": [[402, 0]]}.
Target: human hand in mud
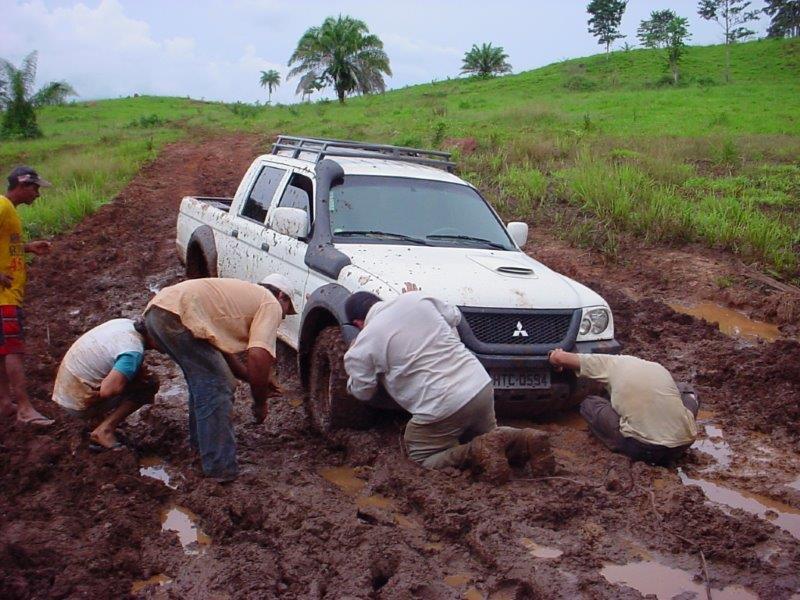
{"points": [[39, 247], [5, 280], [259, 411]]}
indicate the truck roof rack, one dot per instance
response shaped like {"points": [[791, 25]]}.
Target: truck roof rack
{"points": [[315, 149]]}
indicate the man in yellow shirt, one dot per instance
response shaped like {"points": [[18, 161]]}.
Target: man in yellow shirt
{"points": [[646, 416], [23, 188], [203, 324]]}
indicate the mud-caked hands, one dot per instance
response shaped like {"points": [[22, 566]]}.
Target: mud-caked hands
{"points": [[39, 247]]}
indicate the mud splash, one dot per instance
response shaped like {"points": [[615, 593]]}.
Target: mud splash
{"points": [[653, 578], [779, 514], [184, 522], [730, 322]]}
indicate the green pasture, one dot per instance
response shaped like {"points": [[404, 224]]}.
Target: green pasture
{"points": [[599, 147]]}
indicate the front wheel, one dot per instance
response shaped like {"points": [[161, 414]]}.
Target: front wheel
{"points": [[329, 405]]}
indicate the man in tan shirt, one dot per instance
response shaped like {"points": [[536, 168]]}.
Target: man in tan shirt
{"points": [[202, 324], [646, 416]]}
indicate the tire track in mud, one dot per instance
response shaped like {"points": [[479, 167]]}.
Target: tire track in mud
{"points": [[379, 526]]}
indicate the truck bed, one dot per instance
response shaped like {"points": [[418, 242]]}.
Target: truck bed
{"points": [[223, 204]]}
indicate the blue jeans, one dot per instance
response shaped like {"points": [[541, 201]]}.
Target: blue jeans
{"points": [[211, 386]]}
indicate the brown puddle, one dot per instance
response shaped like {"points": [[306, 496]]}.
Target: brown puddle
{"points": [[160, 579], [184, 522], [715, 445], [788, 517], [649, 577], [458, 580], [730, 322], [153, 466], [538, 551], [345, 479]]}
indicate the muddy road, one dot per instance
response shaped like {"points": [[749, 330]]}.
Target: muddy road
{"points": [[352, 518]]}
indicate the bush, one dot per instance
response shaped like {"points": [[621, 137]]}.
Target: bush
{"points": [[147, 122], [579, 83]]}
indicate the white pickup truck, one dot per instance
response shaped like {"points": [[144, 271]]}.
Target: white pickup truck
{"points": [[336, 217]]}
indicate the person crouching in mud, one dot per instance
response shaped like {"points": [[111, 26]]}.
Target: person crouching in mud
{"points": [[102, 377], [411, 346], [646, 415]]}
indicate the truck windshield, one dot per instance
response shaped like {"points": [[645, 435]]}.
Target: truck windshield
{"points": [[413, 211]]}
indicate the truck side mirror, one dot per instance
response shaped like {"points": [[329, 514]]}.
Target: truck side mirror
{"points": [[289, 221], [518, 232]]}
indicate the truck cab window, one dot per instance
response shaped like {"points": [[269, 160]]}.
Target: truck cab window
{"points": [[298, 193], [260, 197]]}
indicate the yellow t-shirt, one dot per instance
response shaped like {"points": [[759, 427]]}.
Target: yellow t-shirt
{"points": [[12, 253], [645, 396], [231, 314]]}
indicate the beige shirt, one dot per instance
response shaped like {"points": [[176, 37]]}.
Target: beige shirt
{"points": [[231, 314], [645, 396]]}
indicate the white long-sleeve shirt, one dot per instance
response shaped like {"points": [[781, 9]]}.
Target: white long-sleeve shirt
{"points": [[410, 344]]}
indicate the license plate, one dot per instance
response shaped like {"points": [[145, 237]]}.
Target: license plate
{"points": [[521, 380]]}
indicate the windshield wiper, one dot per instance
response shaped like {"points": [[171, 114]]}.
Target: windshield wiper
{"points": [[385, 234], [468, 238]]}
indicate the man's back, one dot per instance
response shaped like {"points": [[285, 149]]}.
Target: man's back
{"points": [[412, 346]]}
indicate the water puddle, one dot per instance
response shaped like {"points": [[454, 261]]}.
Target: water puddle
{"points": [[458, 580], [795, 484], [779, 514], [730, 322], [345, 479], [649, 577], [184, 522], [715, 445], [154, 466], [473, 594], [160, 579], [538, 551], [564, 420]]}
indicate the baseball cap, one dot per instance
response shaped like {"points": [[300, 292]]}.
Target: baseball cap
{"points": [[26, 175], [281, 283]]}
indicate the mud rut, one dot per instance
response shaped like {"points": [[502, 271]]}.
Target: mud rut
{"points": [[351, 518]]}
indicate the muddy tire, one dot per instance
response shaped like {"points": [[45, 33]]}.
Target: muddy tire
{"points": [[197, 265], [329, 405]]}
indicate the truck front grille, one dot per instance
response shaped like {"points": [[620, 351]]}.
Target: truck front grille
{"points": [[520, 328]]}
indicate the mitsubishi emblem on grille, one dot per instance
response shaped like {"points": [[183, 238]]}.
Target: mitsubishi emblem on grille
{"points": [[519, 331]]}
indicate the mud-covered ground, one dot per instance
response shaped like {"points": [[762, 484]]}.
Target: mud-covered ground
{"points": [[353, 518]]}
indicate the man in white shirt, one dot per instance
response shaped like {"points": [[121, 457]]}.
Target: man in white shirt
{"points": [[647, 416], [411, 346], [101, 377]]}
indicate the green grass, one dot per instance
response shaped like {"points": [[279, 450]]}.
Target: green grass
{"points": [[601, 138]]}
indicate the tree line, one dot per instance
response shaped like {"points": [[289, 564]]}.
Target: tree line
{"points": [[667, 31]]}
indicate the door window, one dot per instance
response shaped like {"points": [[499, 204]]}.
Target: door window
{"points": [[260, 197], [298, 193]]}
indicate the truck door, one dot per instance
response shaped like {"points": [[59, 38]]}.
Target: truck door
{"points": [[246, 257], [287, 253]]}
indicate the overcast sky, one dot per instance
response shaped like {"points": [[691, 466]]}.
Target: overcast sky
{"points": [[216, 50]]}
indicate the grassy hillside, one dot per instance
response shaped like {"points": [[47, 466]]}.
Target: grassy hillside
{"points": [[600, 147]]}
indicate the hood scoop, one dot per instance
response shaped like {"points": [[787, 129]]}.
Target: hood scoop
{"points": [[515, 270]]}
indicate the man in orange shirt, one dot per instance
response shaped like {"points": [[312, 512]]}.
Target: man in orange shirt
{"points": [[23, 188], [203, 324]]}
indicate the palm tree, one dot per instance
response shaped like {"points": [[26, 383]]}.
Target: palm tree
{"points": [[485, 61], [342, 53], [309, 87], [270, 80], [19, 101]]}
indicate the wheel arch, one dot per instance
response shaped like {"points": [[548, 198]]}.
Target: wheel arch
{"points": [[201, 253]]}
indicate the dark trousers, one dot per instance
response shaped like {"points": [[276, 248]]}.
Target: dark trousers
{"points": [[603, 420], [211, 386]]}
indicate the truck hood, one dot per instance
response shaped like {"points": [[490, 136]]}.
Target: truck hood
{"points": [[463, 276]]}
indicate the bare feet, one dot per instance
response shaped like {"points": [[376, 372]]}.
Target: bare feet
{"points": [[105, 438], [30, 416]]}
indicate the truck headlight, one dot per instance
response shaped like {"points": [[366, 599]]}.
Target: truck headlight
{"points": [[594, 321]]}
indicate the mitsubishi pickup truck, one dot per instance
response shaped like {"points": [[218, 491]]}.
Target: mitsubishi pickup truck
{"points": [[340, 216]]}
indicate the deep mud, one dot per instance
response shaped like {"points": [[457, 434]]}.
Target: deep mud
{"points": [[352, 517]]}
